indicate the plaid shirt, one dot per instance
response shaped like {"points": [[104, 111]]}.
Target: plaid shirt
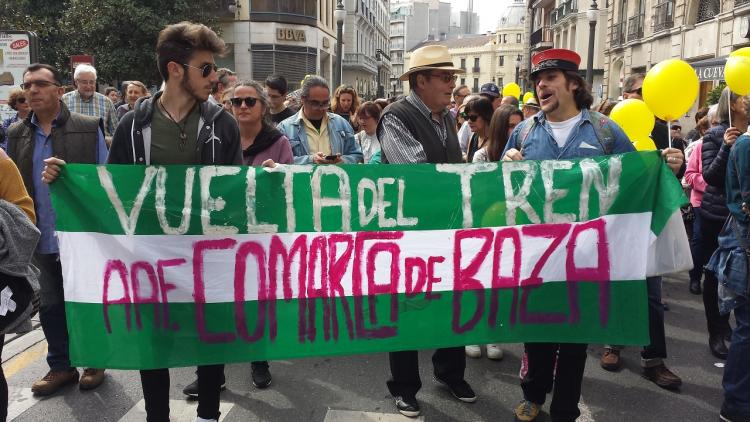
{"points": [[98, 106]]}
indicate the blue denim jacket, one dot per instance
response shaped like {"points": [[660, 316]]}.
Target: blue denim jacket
{"points": [[540, 143], [340, 134]]}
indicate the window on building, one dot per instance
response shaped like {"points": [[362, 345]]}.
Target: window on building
{"points": [[501, 61], [463, 63], [505, 38], [707, 9], [291, 11], [463, 81], [476, 84], [476, 61], [518, 38], [500, 82]]}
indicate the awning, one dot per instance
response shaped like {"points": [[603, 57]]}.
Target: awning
{"points": [[710, 69]]}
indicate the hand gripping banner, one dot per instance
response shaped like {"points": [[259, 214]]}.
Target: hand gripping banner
{"points": [[169, 266]]}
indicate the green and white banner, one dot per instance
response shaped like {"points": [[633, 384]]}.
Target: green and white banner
{"points": [[169, 266]]}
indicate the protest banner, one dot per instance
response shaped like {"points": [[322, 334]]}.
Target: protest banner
{"points": [[170, 266]]}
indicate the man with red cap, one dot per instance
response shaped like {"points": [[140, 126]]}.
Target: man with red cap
{"points": [[564, 129]]}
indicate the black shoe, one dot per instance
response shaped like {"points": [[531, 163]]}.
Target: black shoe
{"points": [[726, 415], [695, 287], [408, 406], [191, 390], [717, 346], [460, 390], [260, 374]]}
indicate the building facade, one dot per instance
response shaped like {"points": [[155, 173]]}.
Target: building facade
{"points": [[702, 32], [292, 39], [366, 63], [565, 24]]}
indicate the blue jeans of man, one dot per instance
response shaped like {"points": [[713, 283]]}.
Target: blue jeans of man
{"points": [[736, 380], [52, 310]]}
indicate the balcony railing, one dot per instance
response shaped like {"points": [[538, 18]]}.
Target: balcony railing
{"points": [[664, 15], [475, 69], [360, 60], [541, 35], [738, 3], [618, 35], [635, 27], [565, 9]]}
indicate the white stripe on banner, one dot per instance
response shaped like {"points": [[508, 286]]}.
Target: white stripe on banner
{"points": [[164, 266]]}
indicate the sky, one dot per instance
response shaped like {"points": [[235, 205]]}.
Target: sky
{"points": [[488, 11]]}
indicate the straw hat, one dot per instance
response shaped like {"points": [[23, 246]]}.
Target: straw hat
{"points": [[430, 57]]}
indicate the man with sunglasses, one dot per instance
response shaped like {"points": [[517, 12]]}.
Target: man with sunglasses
{"points": [[316, 135], [180, 126], [421, 129], [51, 130]]}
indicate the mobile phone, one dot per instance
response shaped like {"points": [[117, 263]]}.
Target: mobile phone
{"points": [[331, 157]]}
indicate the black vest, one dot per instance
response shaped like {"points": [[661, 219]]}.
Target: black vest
{"points": [[424, 132], [74, 140]]}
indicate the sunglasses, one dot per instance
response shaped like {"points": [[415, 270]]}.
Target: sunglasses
{"points": [[249, 101], [206, 69], [638, 91], [470, 117], [318, 104], [445, 77], [41, 84]]}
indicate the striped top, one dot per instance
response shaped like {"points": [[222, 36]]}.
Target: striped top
{"points": [[398, 144], [98, 106]]}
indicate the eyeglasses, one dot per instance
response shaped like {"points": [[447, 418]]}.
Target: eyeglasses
{"points": [[41, 84], [206, 69], [472, 117], [318, 104], [638, 91], [445, 77], [249, 101]]}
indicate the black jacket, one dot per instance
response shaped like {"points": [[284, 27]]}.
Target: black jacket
{"points": [[715, 155], [219, 136]]}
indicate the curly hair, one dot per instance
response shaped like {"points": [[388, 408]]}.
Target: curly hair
{"points": [[345, 89], [13, 98]]}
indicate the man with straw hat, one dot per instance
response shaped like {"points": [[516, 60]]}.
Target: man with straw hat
{"points": [[421, 129]]}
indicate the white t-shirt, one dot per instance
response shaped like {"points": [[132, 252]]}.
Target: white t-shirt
{"points": [[562, 130], [464, 134]]}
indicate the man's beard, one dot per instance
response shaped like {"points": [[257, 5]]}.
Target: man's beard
{"points": [[185, 83]]}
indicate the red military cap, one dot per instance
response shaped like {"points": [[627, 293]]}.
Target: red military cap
{"points": [[554, 58]]}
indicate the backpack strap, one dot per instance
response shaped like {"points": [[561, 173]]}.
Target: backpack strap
{"points": [[603, 131], [528, 125]]}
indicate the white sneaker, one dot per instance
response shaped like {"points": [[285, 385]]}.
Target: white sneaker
{"points": [[494, 352], [474, 351]]}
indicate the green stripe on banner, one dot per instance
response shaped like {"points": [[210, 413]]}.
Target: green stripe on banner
{"points": [[120, 199], [554, 312]]}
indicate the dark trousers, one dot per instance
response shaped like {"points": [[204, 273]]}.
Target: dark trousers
{"points": [[448, 363], [717, 324], [155, 384], [52, 310], [657, 347], [565, 384], [3, 387], [696, 248], [737, 371]]}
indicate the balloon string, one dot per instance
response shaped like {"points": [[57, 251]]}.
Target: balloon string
{"points": [[669, 132], [729, 109]]}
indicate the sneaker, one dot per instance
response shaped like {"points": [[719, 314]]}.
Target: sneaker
{"points": [[473, 351], [526, 411], [260, 374], [610, 360], [727, 415], [495, 352], [191, 390], [460, 390], [662, 377], [695, 287], [53, 381], [524, 366], [407, 406], [91, 378]]}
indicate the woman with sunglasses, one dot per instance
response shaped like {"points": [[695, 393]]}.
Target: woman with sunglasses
{"points": [[259, 137], [16, 101], [345, 103], [478, 113], [503, 121]]}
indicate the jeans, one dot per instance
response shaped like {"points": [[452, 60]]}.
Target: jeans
{"points": [[696, 248], [449, 365], [52, 310], [155, 384], [736, 380], [566, 391], [717, 324]]}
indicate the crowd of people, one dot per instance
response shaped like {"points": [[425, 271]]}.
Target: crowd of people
{"points": [[207, 116]]}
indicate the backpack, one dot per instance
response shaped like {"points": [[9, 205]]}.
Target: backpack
{"points": [[599, 121]]}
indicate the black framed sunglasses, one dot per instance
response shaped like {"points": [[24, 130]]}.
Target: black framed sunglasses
{"points": [[471, 117], [249, 101], [206, 69]]}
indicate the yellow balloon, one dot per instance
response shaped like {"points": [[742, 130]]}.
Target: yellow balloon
{"points": [[744, 51], [644, 144], [737, 74], [511, 89], [527, 96], [670, 89], [634, 118]]}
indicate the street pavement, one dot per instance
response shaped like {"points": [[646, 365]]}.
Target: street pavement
{"points": [[352, 388]]}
